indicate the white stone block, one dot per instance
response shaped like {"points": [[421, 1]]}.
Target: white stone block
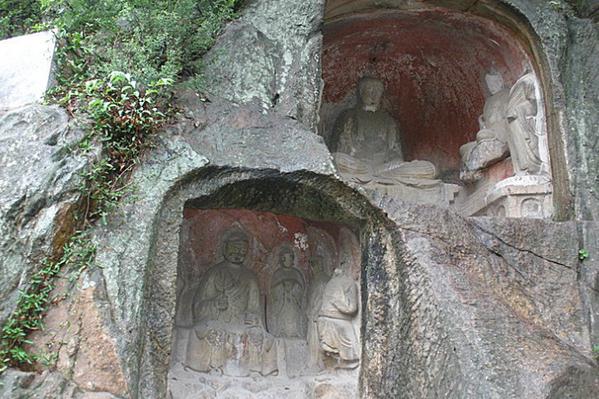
{"points": [[25, 69]]}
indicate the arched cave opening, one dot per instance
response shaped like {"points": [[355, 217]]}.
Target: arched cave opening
{"points": [[463, 85], [221, 326]]}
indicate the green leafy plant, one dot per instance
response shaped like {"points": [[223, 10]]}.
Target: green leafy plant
{"points": [[583, 254], [32, 304], [595, 351], [150, 39], [124, 116], [18, 17]]}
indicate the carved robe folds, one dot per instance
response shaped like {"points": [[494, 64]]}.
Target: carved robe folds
{"points": [[229, 333], [508, 126], [335, 320], [366, 144], [523, 140], [512, 125]]}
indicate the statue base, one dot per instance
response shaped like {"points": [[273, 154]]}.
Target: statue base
{"points": [[186, 383], [516, 196], [235, 352], [439, 193]]}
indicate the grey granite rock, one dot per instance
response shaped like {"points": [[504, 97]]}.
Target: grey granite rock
{"points": [[589, 276], [272, 54], [476, 310], [39, 188], [25, 69], [45, 385], [243, 66], [582, 91]]}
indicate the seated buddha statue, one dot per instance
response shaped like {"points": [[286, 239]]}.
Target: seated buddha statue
{"points": [[366, 148]]}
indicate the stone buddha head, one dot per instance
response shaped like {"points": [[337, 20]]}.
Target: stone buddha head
{"points": [[494, 82], [236, 247], [370, 93], [286, 257]]}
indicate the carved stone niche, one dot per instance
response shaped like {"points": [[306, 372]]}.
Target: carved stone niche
{"points": [[266, 304], [435, 112]]}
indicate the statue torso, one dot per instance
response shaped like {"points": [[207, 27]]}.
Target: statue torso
{"points": [[494, 113], [235, 283], [287, 291], [367, 135], [340, 291]]}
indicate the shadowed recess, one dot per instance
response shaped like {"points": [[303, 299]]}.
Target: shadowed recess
{"points": [[432, 62]]}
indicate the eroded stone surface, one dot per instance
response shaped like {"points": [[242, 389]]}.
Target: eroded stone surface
{"points": [[76, 341], [490, 312], [39, 188], [582, 94], [243, 66], [282, 66], [428, 273], [25, 69]]}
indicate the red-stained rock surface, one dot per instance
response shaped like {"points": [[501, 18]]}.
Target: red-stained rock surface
{"points": [[433, 65], [499, 171], [204, 230]]}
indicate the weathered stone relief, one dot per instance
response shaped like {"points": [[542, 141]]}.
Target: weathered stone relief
{"points": [[491, 140], [287, 291], [445, 294], [229, 333], [315, 298], [523, 138], [340, 304], [512, 124], [271, 308], [365, 143]]}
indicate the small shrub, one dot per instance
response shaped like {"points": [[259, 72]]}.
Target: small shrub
{"points": [[18, 17], [124, 117], [150, 39]]}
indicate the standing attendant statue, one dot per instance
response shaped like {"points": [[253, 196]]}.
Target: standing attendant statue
{"points": [[286, 314], [340, 305], [315, 294], [523, 140]]}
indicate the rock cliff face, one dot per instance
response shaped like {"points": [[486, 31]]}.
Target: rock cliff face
{"points": [[452, 307], [39, 182]]}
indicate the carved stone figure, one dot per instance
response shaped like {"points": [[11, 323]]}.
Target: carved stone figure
{"points": [[366, 146], [522, 140], [491, 140], [315, 293], [508, 127], [340, 305], [286, 312], [229, 333]]}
